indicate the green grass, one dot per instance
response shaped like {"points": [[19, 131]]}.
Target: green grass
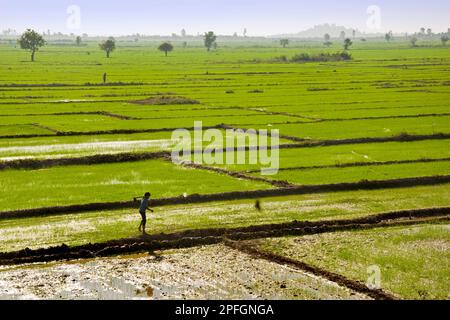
{"points": [[94, 227], [355, 174], [352, 153], [366, 128], [22, 129], [239, 85], [413, 260], [62, 186]]}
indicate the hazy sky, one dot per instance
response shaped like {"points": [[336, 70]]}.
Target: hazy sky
{"points": [[260, 17]]}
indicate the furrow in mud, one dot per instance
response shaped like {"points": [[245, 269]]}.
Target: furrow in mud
{"points": [[357, 286], [228, 196], [192, 238]]}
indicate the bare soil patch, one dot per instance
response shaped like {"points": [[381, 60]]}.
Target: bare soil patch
{"points": [[210, 272]]}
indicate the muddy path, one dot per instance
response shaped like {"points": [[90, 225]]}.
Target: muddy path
{"points": [[353, 285], [200, 237], [229, 196]]}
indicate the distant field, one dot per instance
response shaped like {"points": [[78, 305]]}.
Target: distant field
{"points": [[383, 115]]}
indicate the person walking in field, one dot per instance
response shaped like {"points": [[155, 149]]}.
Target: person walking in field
{"points": [[145, 205]]}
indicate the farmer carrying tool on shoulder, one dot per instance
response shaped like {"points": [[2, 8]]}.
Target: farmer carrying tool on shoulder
{"points": [[145, 204]]}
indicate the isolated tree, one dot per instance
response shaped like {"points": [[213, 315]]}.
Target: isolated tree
{"points": [[32, 41], [284, 42], [185, 44], [327, 38], [347, 43], [78, 41], [444, 39], [183, 33], [166, 48], [429, 32], [413, 41], [108, 46], [354, 34], [422, 31], [209, 38], [388, 36]]}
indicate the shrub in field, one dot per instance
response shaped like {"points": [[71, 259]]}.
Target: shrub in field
{"points": [[284, 42], [347, 43], [210, 39], [32, 41], [108, 46], [280, 59], [322, 57], [165, 100], [444, 40]]}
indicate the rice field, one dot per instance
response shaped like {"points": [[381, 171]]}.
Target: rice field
{"points": [[376, 128]]}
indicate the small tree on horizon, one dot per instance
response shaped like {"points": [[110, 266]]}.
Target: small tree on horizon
{"points": [[209, 38], [388, 37], [284, 42], [166, 48], [108, 46], [32, 41], [413, 42], [327, 38], [347, 44], [444, 40], [78, 41]]}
